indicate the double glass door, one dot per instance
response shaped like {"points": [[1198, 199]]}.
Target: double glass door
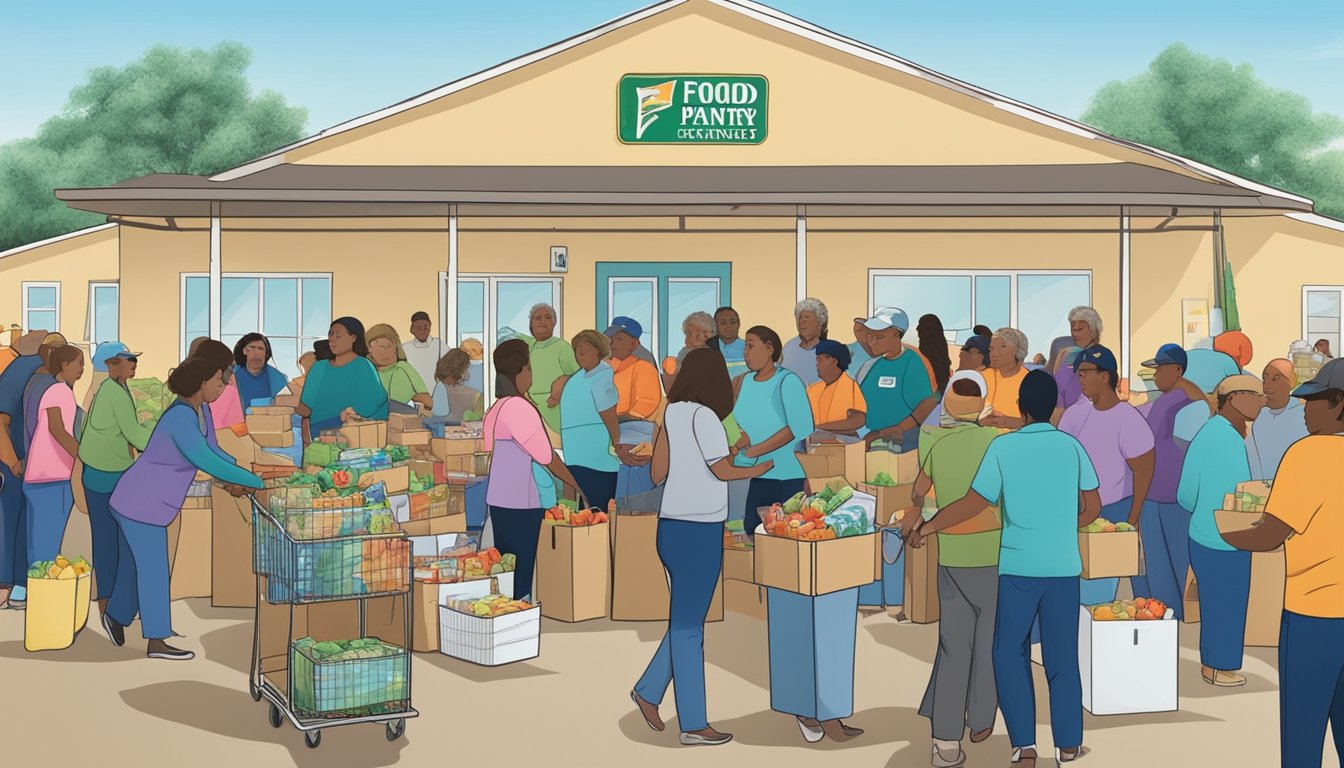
{"points": [[491, 310]]}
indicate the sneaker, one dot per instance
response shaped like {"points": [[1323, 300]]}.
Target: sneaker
{"points": [[169, 653], [649, 711], [943, 759], [1223, 679], [115, 632], [706, 738], [812, 732], [1024, 757]]}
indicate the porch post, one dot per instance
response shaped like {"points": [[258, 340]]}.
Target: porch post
{"points": [[216, 272], [1126, 284], [1216, 315], [800, 254], [449, 330]]}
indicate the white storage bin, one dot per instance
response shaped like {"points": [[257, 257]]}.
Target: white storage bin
{"points": [[493, 641], [1128, 667]]}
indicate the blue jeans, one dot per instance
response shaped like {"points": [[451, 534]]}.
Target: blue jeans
{"points": [[47, 512], [1055, 601], [1165, 532], [812, 652], [763, 493], [517, 531], [890, 589], [692, 553], [598, 487], [1311, 687], [1093, 591], [141, 585], [631, 481], [106, 542], [13, 533], [1224, 578]]}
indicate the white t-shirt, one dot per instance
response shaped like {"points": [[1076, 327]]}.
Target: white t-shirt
{"points": [[695, 440], [424, 357]]}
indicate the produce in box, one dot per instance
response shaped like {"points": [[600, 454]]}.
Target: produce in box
{"points": [[1138, 609], [563, 514], [61, 568], [1105, 526], [489, 607], [883, 480], [818, 518], [151, 399]]}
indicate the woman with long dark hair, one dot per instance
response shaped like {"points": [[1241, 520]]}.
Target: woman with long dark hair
{"points": [[691, 455], [933, 346], [346, 386], [257, 379], [518, 486]]}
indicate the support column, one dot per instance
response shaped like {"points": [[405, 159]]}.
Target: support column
{"points": [[1216, 322], [800, 254], [216, 271], [1125, 287], [449, 330]]}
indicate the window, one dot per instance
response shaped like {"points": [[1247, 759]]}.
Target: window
{"points": [[1037, 303], [495, 309], [41, 307], [1321, 315], [292, 311], [104, 313], [660, 296]]}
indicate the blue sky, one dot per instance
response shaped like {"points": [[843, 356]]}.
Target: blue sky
{"points": [[353, 57]]}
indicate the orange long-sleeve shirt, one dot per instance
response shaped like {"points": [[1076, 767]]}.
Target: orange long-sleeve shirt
{"points": [[637, 389]]}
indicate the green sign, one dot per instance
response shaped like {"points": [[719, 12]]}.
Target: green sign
{"points": [[693, 109]]}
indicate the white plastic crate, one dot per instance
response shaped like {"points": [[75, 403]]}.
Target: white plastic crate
{"points": [[493, 641], [1128, 667]]}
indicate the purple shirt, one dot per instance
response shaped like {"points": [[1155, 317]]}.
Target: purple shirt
{"points": [[1169, 454], [1111, 438]]}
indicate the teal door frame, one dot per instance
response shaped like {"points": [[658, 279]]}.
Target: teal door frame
{"points": [[668, 328]]}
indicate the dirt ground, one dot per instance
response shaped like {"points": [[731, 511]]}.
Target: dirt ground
{"points": [[570, 703]]}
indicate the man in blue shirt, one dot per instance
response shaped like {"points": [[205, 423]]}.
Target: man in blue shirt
{"points": [[894, 383], [1046, 487], [13, 450]]}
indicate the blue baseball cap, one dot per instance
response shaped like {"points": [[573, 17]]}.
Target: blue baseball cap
{"points": [[1101, 357], [836, 350], [110, 349], [625, 324], [885, 319], [1169, 354]]}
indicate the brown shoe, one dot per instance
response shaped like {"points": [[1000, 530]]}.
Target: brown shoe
{"points": [[1024, 757], [707, 737], [979, 736], [1222, 679], [851, 731], [649, 711], [835, 730]]}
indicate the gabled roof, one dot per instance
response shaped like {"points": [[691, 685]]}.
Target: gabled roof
{"points": [[790, 24], [53, 240]]}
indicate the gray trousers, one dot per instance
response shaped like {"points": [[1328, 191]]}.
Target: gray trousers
{"points": [[961, 692]]}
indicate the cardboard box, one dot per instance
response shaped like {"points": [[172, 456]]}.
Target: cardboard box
{"points": [[365, 434], [1109, 555], [1190, 599], [573, 581], [196, 502], [409, 437], [269, 423], [431, 469], [387, 622], [1264, 609], [273, 439], [813, 567], [834, 460], [1229, 521], [404, 422], [921, 583], [890, 500], [395, 479], [1128, 667], [189, 544], [435, 525], [744, 597], [270, 411], [286, 401], [493, 641], [444, 447], [739, 564], [903, 467], [639, 582], [232, 584]]}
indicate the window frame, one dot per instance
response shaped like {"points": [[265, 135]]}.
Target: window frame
{"points": [[26, 308], [90, 321], [260, 277], [1306, 318]]}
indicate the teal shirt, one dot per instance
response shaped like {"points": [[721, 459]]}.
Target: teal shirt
{"points": [[893, 389], [1214, 463], [1035, 475], [857, 356], [765, 407], [586, 441], [330, 389]]}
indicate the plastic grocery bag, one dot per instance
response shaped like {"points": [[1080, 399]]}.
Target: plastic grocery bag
{"points": [[57, 611]]}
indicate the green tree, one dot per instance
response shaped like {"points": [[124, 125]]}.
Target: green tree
{"points": [[171, 111], [1222, 115]]}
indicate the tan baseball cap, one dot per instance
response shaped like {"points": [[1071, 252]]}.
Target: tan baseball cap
{"points": [[1239, 383]]}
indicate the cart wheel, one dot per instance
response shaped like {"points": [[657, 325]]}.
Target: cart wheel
{"points": [[395, 729], [275, 717], [313, 739], [255, 691]]}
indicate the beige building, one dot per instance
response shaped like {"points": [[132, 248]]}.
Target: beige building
{"points": [[840, 172]]}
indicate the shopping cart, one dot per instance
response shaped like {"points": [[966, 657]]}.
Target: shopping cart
{"points": [[312, 692]]}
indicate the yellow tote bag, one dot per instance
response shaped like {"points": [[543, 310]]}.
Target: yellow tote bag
{"points": [[56, 612]]}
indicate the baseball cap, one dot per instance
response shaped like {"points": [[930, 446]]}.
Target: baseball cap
{"points": [[110, 349], [971, 376], [886, 318], [420, 316], [625, 324], [1169, 354], [978, 343], [1331, 376], [1239, 383], [836, 350], [1099, 356]]}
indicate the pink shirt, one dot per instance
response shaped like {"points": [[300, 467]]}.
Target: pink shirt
{"points": [[47, 461], [228, 409], [516, 438]]}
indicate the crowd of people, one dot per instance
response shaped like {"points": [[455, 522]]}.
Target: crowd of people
{"points": [[1018, 454]]}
